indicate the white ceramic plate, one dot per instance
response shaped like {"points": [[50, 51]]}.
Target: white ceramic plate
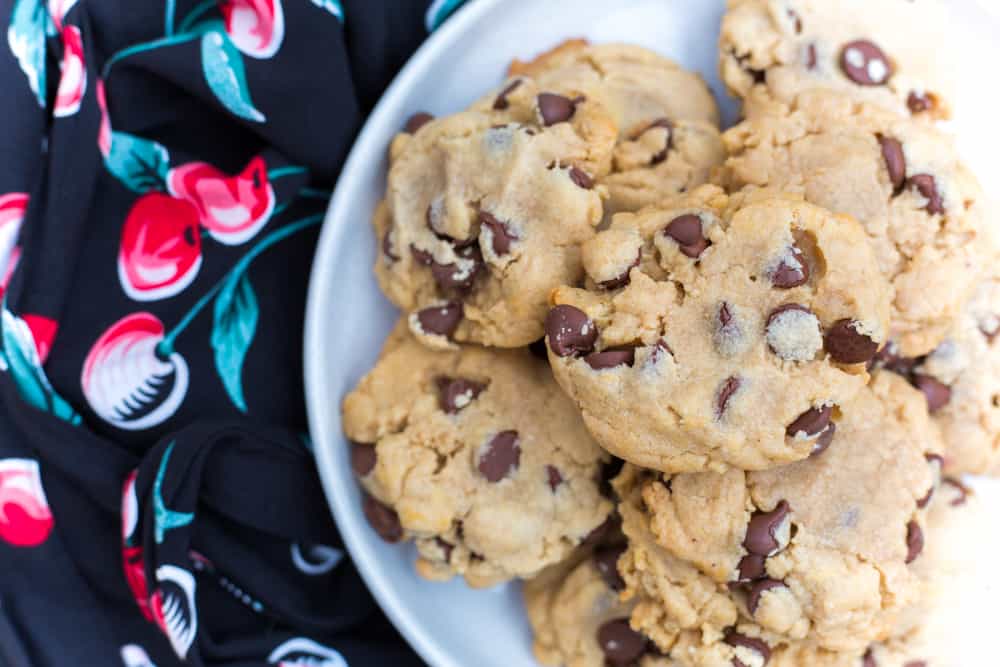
{"points": [[348, 318]]}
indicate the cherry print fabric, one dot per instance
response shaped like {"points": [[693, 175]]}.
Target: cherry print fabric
{"points": [[164, 170]]}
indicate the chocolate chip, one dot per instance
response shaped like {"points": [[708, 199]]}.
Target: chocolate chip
{"points": [[865, 64], [725, 315], [421, 256], [581, 178], [502, 236], [457, 393], [387, 246], [665, 124], [570, 331], [811, 57], [659, 350], [927, 187], [935, 459], [761, 538], [686, 231], [362, 458], [757, 589], [555, 108], [824, 440], [611, 358], [791, 271], [990, 327], [501, 101], [459, 276], [890, 359], [914, 541], [868, 660], [625, 278], [417, 121], [729, 387], [937, 393], [620, 643], [441, 320], [446, 547], [963, 491], [847, 345], [736, 639], [606, 562], [501, 456], [383, 519], [796, 21], [810, 423], [918, 102], [915, 663], [895, 161], [554, 477], [751, 567], [922, 502]]}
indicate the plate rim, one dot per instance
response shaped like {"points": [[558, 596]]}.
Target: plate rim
{"points": [[330, 234]]}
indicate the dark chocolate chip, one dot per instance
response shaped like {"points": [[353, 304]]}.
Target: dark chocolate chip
{"points": [[729, 387], [625, 278], [922, 502], [456, 277], [725, 315], [824, 440], [890, 359], [937, 393], [421, 256], [502, 236], [581, 178], [895, 161], [363, 458], [665, 124], [686, 231], [387, 246], [751, 568], [918, 102], [661, 348], [868, 660], [927, 187], [796, 21], [847, 345], [791, 274], [570, 331], [554, 477], [417, 121], [865, 64], [757, 589], [611, 358], [555, 108], [811, 422], [456, 393], [963, 491], [761, 538], [501, 101], [915, 663], [383, 519], [990, 327], [606, 562], [441, 320], [501, 456], [735, 639], [620, 643], [811, 57], [914, 541]]}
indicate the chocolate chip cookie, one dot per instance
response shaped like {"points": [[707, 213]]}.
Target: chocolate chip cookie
{"points": [[921, 207], [483, 216], [719, 331], [819, 553], [961, 381], [875, 51], [475, 455], [668, 140]]}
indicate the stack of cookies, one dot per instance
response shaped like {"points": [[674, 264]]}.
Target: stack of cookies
{"points": [[709, 394]]}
